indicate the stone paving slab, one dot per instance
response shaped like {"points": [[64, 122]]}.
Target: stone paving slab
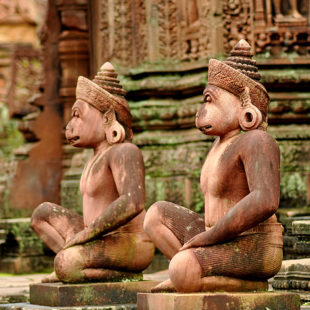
{"points": [[27, 306], [16, 288], [218, 301]]}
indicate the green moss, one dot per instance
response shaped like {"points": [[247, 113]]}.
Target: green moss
{"points": [[293, 188], [10, 137]]}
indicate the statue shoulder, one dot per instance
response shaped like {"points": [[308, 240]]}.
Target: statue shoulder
{"points": [[259, 140], [125, 151]]}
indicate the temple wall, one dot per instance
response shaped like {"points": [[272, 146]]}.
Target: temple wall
{"points": [[20, 72], [161, 49]]}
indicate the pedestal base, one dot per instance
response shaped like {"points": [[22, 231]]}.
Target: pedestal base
{"points": [[218, 301], [88, 294]]}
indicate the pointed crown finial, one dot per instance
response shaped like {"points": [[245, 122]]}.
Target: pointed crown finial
{"points": [[106, 78], [241, 59]]}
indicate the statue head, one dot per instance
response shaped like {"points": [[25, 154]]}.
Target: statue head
{"points": [[234, 98], [100, 112]]}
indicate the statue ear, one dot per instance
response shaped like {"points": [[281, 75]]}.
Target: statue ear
{"points": [[115, 132], [250, 116]]}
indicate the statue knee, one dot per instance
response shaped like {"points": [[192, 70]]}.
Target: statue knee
{"points": [[185, 272], [67, 266], [153, 217], [40, 214]]}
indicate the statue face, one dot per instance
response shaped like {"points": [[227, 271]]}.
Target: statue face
{"points": [[219, 113], [86, 128]]}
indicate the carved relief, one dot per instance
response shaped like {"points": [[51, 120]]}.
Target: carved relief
{"points": [[237, 22], [123, 31], [26, 76], [195, 36], [16, 11], [276, 26], [73, 50], [168, 28], [177, 30], [281, 26]]}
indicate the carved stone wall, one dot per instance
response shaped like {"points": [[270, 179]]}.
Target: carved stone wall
{"points": [[38, 173], [161, 48], [139, 31], [20, 70], [272, 26]]}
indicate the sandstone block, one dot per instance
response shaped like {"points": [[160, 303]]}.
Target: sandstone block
{"points": [[218, 301], [71, 295]]}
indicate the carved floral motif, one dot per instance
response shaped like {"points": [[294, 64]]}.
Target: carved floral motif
{"points": [[124, 35], [237, 22]]}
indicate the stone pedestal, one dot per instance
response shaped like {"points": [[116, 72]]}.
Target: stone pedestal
{"points": [[218, 301], [88, 294]]}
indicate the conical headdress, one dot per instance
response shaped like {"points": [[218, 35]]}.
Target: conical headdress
{"points": [[104, 92], [237, 72]]}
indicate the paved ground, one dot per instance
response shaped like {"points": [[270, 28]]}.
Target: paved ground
{"points": [[16, 288]]}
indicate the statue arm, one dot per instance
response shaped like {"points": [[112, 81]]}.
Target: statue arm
{"points": [[126, 164], [260, 157]]}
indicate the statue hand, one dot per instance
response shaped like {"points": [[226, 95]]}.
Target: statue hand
{"points": [[199, 240], [80, 238]]}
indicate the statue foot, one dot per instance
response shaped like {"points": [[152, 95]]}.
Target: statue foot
{"points": [[51, 278], [165, 286]]}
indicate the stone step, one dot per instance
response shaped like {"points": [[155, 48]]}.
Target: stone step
{"points": [[27, 306], [293, 275], [301, 227], [218, 301]]}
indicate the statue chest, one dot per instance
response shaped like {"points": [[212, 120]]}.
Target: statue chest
{"points": [[223, 175], [97, 179]]}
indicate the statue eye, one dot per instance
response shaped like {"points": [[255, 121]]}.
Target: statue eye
{"points": [[75, 113], [207, 98]]}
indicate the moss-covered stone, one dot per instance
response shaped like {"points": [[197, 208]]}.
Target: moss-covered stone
{"points": [[71, 295]]}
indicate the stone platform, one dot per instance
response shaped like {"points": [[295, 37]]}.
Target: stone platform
{"points": [[88, 294], [218, 301], [27, 306]]}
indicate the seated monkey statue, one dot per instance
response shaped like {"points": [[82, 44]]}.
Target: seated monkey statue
{"points": [[237, 245], [108, 242]]}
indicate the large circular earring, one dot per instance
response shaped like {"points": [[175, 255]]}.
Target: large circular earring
{"points": [[115, 133], [250, 118]]}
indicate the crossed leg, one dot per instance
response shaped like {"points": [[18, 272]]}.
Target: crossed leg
{"points": [[55, 225], [169, 226], [255, 256], [112, 257]]}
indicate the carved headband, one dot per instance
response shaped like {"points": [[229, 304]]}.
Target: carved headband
{"points": [[234, 81], [102, 100]]}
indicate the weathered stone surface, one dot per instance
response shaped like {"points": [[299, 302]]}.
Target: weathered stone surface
{"points": [[27, 306], [296, 239], [21, 251], [218, 301], [20, 239], [294, 274], [301, 227], [65, 295]]}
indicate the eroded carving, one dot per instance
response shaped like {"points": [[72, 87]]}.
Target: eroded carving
{"points": [[108, 241], [239, 241]]}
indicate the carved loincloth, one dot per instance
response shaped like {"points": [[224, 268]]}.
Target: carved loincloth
{"points": [[254, 254]]}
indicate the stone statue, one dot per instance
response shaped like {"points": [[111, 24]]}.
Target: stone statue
{"points": [[238, 243], [108, 241]]}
